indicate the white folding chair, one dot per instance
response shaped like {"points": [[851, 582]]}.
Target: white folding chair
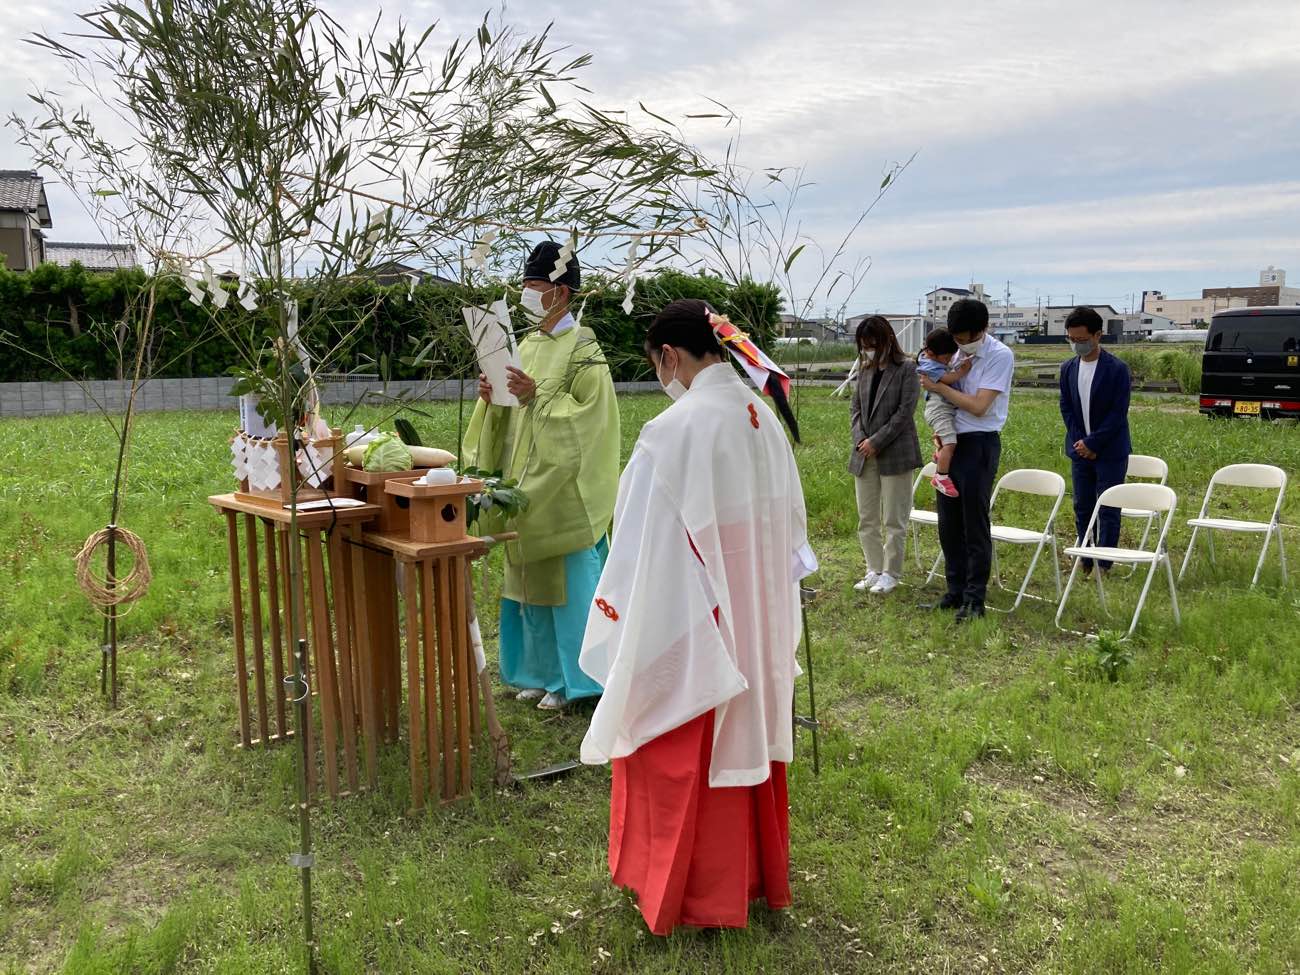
{"points": [[1047, 484], [1262, 476], [1146, 468], [924, 516], [1140, 497]]}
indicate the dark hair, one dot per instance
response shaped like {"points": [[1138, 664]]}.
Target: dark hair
{"points": [[967, 316], [876, 330], [940, 342], [684, 324], [1086, 317]]}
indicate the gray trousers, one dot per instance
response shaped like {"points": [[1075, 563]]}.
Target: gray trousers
{"points": [[884, 503]]}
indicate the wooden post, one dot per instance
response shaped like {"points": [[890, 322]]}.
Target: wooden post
{"points": [[366, 661], [425, 569], [464, 656], [413, 710], [445, 685], [343, 631], [237, 608], [255, 611], [464, 614], [327, 692], [277, 642]]}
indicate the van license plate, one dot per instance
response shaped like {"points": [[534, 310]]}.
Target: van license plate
{"points": [[1245, 409]]}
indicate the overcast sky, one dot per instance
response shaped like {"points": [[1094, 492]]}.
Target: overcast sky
{"points": [[1075, 149]]}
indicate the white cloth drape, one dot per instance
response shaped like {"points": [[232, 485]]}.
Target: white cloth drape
{"points": [[710, 514]]}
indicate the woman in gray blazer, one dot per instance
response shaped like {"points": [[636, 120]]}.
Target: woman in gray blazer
{"points": [[886, 451]]}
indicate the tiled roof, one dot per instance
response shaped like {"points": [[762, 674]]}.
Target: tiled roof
{"points": [[93, 257], [23, 190], [955, 291]]}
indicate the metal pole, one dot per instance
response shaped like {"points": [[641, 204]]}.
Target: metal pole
{"points": [[303, 859], [111, 662], [805, 597]]}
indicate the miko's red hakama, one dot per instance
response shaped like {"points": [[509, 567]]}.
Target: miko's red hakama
{"points": [[694, 854]]}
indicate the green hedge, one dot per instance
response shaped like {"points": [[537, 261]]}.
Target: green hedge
{"points": [[44, 310]]}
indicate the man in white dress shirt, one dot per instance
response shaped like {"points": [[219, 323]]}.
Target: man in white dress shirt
{"points": [[981, 397]]}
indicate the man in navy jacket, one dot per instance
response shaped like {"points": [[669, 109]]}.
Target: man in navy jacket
{"points": [[1094, 405]]}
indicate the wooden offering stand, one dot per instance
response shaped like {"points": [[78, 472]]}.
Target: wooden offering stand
{"points": [[441, 672], [341, 653], [405, 536], [368, 486]]}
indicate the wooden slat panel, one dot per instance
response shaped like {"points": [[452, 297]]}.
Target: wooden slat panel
{"points": [[428, 606], [366, 662], [464, 657], [414, 713], [343, 633], [277, 641], [324, 652], [446, 686], [255, 611], [237, 608]]}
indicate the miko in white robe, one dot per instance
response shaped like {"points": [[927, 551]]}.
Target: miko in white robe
{"points": [[693, 633]]}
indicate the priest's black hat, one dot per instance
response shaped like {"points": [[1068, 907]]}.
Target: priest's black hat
{"points": [[541, 262]]}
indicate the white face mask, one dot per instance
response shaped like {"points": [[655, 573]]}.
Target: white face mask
{"points": [[532, 303], [972, 348], [673, 388], [869, 356]]}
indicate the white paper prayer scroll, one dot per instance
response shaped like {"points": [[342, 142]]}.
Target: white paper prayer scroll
{"points": [[494, 342], [478, 255], [562, 260]]}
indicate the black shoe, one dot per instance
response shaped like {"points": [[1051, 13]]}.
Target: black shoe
{"points": [[947, 602], [971, 611]]}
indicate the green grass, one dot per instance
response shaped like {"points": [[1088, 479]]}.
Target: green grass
{"points": [[988, 800]]}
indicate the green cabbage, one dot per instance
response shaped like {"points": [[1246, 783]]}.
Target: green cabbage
{"points": [[387, 453]]}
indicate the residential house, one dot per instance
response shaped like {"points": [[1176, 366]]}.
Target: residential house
{"points": [[93, 257], [24, 214]]}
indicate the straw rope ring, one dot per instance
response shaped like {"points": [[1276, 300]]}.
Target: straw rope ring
{"points": [[124, 590]]}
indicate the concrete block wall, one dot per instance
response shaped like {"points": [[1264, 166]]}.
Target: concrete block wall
{"points": [[213, 393]]}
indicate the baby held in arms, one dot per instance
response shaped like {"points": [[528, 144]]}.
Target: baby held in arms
{"points": [[933, 363]]}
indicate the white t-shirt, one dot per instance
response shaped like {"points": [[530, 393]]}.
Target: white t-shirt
{"points": [[994, 368], [1087, 370]]}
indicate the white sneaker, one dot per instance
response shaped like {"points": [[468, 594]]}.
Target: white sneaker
{"points": [[530, 694], [866, 582], [551, 702], [885, 584]]}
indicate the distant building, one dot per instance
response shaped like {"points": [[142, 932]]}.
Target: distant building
{"points": [[1189, 312], [938, 301], [93, 257], [1018, 318], [1140, 326], [1271, 290], [821, 329], [395, 272], [24, 213], [1054, 317], [909, 329]]}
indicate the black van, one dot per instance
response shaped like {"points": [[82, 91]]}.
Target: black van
{"points": [[1251, 365]]}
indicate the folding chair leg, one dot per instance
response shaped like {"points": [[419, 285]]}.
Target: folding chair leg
{"points": [[1188, 557], [934, 569], [1065, 596], [1101, 588], [1281, 551], [916, 548], [1263, 553], [1173, 592], [1056, 565], [1142, 599]]}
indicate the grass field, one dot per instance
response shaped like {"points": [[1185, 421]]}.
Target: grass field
{"points": [[988, 801]]}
